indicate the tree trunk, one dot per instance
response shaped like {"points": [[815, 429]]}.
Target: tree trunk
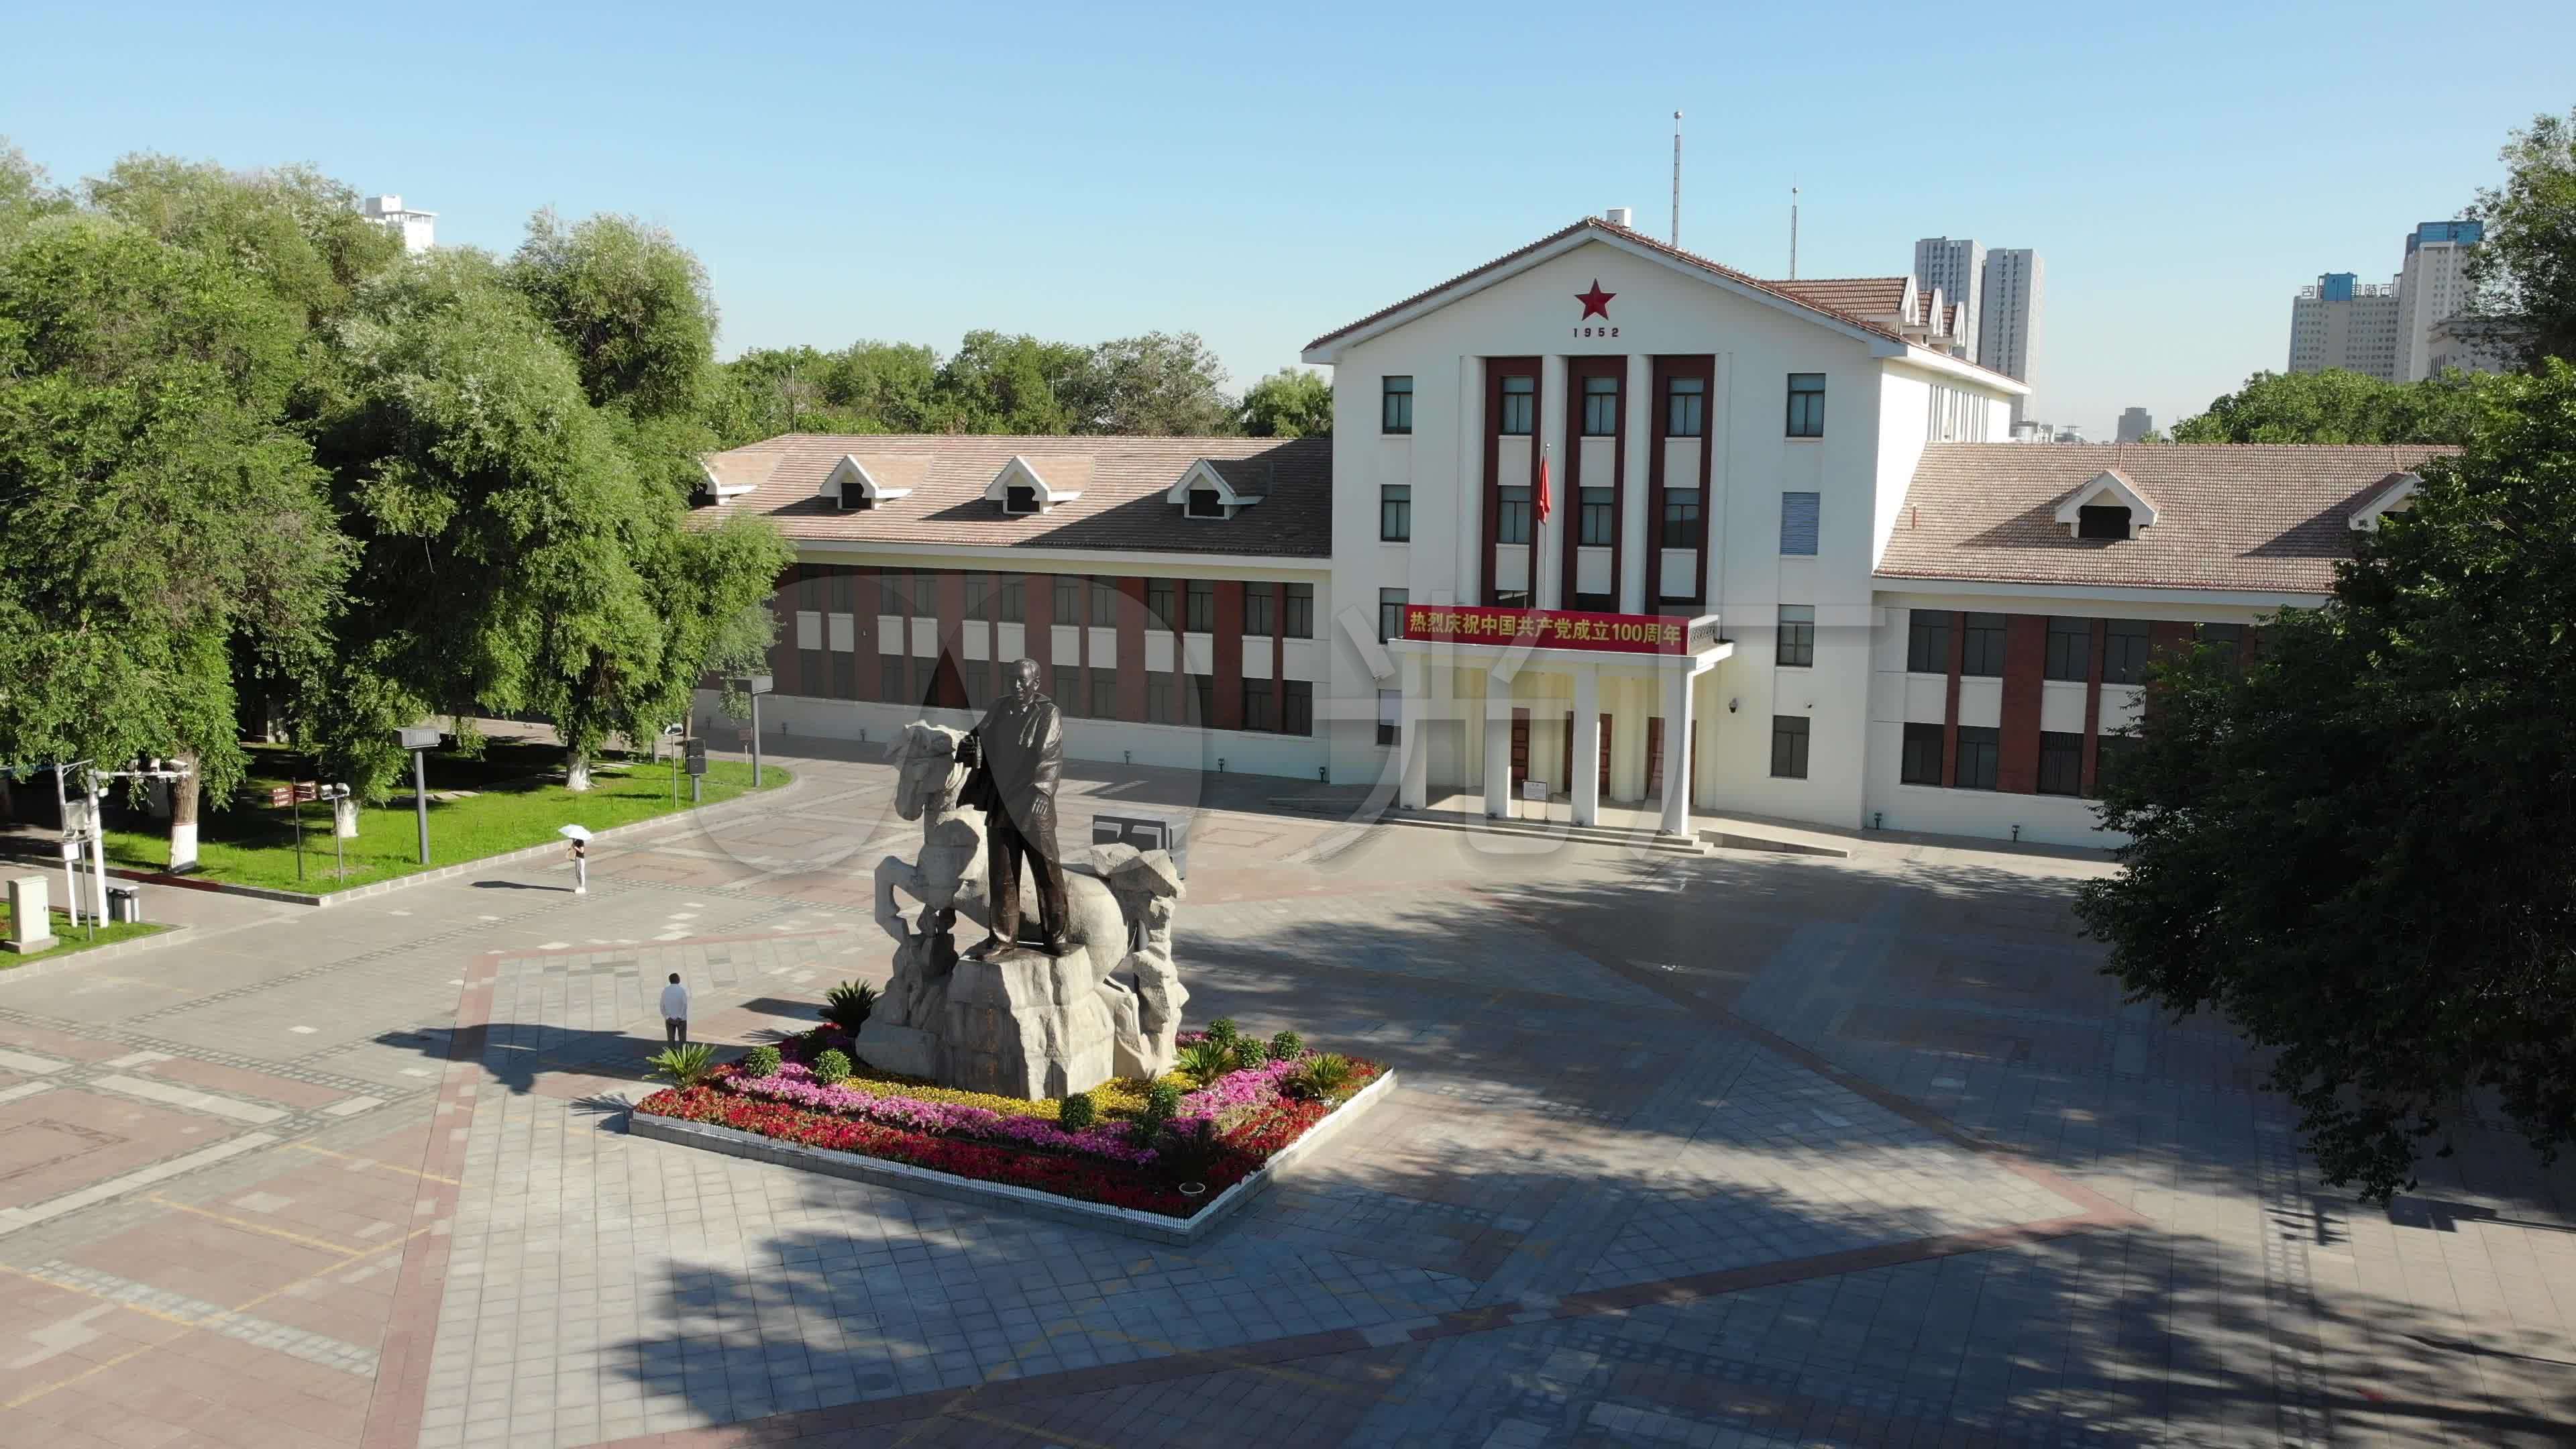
{"points": [[576, 770], [183, 817]]}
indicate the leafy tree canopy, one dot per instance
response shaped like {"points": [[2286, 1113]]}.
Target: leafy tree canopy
{"points": [[2357, 849], [2336, 406], [632, 304], [2524, 273], [1289, 404]]}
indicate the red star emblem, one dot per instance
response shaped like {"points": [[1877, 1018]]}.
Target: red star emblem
{"points": [[1596, 303]]}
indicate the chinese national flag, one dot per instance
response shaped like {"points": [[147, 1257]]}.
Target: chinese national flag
{"points": [[1543, 500]]}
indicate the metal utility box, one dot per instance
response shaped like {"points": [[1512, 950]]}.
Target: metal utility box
{"points": [[1146, 832], [697, 757]]}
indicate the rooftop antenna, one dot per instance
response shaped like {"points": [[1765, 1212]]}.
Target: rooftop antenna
{"points": [[1677, 180], [1793, 232]]}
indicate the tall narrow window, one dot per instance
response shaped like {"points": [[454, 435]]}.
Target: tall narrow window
{"points": [[1979, 749], [1104, 601], [1682, 525], [1798, 523], [1685, 407], [1601, 407], [1806, 404], [1789, 747], [2125, 646], [1104, 692], [1395, 512], [1519, 416], [1512, 517], [1927, 641], [1162, 603], [1260, 610], [1600, 522], [1798, 636], [2070, 649], [1390, 614], [1395, 397], [1984, 654], [1300, 610], [1921, 764], [1296, 707], [1012, 606], [1067, 589], [1158, 697], [2061, 763], [1390, 716], [1201, 604], [1258, 706], [979, 593]]}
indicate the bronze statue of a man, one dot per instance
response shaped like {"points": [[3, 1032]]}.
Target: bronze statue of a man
{"points": [[1016, 756]]}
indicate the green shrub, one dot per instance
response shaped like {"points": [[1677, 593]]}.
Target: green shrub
{"points": [[1188, 1152], [1222, 1031], [849, 1005], [1287, 1046], [1076, 1112], [686, 1066], [832, 1066], [1249, 1053], [1320, 1076], [761, 1061], [1204, 1060], [1162, 1102]]}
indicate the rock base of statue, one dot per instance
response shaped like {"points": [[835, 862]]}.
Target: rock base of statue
{"points": [[903, 1050], [1026, 1024]]}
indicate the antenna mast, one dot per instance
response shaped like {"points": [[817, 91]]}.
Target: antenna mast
{"points": [[1677, 179], [1793, 233]]}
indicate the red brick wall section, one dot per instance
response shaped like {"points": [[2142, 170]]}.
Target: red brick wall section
{"points": [[1131, 649], [1950, 701], [1229, 652], [1039, 592], [2093, 705], [2025, 659]]}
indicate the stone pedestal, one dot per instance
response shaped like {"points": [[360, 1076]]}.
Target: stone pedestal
{"points": [[1026, 1024], [31, 921]]}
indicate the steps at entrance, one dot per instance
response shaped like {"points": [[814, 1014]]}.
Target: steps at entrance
{"points": [[1550, 830]]}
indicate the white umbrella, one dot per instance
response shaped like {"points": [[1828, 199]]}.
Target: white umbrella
{"points": [[573, 832]]}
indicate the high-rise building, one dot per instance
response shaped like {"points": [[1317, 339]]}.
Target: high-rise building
{"points": [[2008, 311], [2135, 424], [418, 229], [2347, 323], [2431, 288], [1957, 266]]}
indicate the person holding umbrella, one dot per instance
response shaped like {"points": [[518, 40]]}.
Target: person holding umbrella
{"points": [[580, 839]]}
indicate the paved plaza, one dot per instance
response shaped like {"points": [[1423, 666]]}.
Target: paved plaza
{"points": [[1746, 1149]]}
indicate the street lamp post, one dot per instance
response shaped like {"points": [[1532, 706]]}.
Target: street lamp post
{"points": [[419, 739], [755, 685]]}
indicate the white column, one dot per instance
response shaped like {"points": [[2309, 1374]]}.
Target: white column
{"points": [[1677, 752], [1635, 528], [1415, 751], [1498, 748], [1586, 784], [1549, 589]]}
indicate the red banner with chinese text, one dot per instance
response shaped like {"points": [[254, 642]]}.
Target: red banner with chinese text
{"points": [[1557, 629]]}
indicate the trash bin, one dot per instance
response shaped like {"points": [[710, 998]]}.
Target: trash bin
{"points": [[124, 905]]}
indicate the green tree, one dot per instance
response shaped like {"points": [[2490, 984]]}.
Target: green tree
{"points": [[2337, 406], [2356, 850], [632, 304], [1160, 385], [159, 513], [25, 193], [1288, 404], [295, 229], [1000, 384], [2523, 274]]}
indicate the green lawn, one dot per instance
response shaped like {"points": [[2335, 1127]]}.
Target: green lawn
{"points": [[70, 938], [514, 808]]}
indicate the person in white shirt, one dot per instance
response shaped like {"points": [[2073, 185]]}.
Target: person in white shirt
{"points": [[675, 1012]]}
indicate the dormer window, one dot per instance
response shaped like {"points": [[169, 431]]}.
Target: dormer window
{"points": [[858, 485], [1019, 498], [1021, 488], [2108, 508], [2101, 520], [1204, 491], [1206, 503], [2395, 494]]}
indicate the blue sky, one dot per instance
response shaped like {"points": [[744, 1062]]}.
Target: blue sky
{"points": [[1096, 170]]}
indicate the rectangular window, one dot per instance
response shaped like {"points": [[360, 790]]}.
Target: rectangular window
{"points": [[1206, 503], [1390, 614], [892, 597], [1519, 416], [977, 677], [1927, 641], [2229, 636], [1260, 610], [1201, 599], [979, 595], [1979, 749], [1203, 699], [1104, 601], [1257, 702], [1682, 526], [1798, 635], [2125, 645], [1158, 697], [1601, 407], [1984, 654], [1068, 595], [1922, 763], [1600, 521], [1014, 601], [1685, 407], [1390, 716], [2061, 763], [892, 686], [1798, 520], [1104, 693], [1395, 398], [1162, 603], [1788, 747], [1296, 707], [1806, 404], [1512, 517], [1301, 611], [2070, 649], [1395, 513]]}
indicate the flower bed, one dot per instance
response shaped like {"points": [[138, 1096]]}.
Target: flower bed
{"points": [[1249, 1116]]}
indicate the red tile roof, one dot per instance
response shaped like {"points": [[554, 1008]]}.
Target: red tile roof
{"points": [[1856, 296], [1122, 481], [2250, 517]]}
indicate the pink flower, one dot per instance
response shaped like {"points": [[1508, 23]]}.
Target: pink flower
{"points": [[794, 1083]]}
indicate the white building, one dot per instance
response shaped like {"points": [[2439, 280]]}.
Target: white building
{"points": [[418, 228], [2135, 424], [2345, 323], [2008, 311], [1957, 267], [2432, 287], [1775, 580]]}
